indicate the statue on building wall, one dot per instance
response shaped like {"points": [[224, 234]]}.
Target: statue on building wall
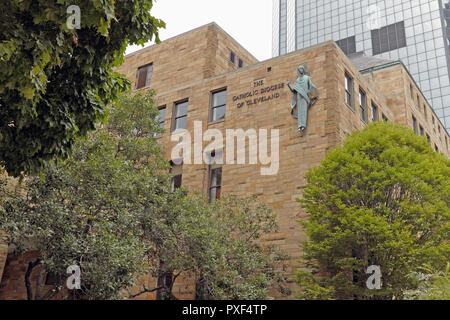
{"points": [[305, 95]]}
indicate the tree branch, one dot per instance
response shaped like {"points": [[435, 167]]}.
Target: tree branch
{"points": [[52, 292], [30, 268], [145, 290]]}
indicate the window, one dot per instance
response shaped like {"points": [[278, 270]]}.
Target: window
{"points": [[383, 116], [425, 112], [415, 124], [422, 132], [348, 45], [375, 115], [440, 134], [363, 105], [144, 76], [436, 148], [161, 117], [240, 63], [232, 57], [218, 105], [434, 124], [180, 115], [177, 176], [428, 139], [215, 175], [349, 90], [389, 38], [418, 102], [411, 91]]}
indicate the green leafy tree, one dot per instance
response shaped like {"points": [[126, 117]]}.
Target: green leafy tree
{"points": [[219, 245], [431, 284], [381, 199], [87, 210], [55, 82]]}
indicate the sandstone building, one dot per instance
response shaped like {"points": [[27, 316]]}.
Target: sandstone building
{"points": [[204, 76]]}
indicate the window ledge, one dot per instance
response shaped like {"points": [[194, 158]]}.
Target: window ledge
{"points": [[216, 122]]}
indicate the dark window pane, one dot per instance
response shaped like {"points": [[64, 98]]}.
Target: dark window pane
{"points": [[376, 41], [219, 113], [218, 105], [241, 63], [348, 45], [232, 57], [401, 33], [415, 124], [349, 90], [401, 42], [149, 75], [216, 177], [388, 38], [375, 116], [343, 45], [215, 193], [142, 77], [181, 123], [219, 98], [384, 42], [215, 184], [392, 36], [162, 115], [176, 182], [182, 109], [363, 105], [351, 45]]}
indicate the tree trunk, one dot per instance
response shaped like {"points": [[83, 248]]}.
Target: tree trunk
{"points": [[30, 268], [166, 280], [201, 289]]}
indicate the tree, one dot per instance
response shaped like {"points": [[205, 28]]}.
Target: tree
{"points": [[431, 284], [248, 267], [381, 199], [219, 245], [87, 210], [55, 82]]}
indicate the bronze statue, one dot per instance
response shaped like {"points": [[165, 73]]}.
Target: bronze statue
{"points": [[305, 95]]}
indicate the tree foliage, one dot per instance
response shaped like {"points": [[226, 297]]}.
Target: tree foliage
{"points": [[87, 210], [431, 284], [219, 245], [381, 199], [55, 82]]}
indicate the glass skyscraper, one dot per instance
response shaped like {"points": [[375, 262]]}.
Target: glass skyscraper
{"points": [[417, 32]]}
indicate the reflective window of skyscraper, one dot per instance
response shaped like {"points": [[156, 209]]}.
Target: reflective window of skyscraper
{"points": [[417, 32]]}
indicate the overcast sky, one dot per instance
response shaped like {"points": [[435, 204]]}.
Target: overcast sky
{"points": [[247, 21]]}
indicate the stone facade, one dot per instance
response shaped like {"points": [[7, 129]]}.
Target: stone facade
{"points": [[193, 65]]}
